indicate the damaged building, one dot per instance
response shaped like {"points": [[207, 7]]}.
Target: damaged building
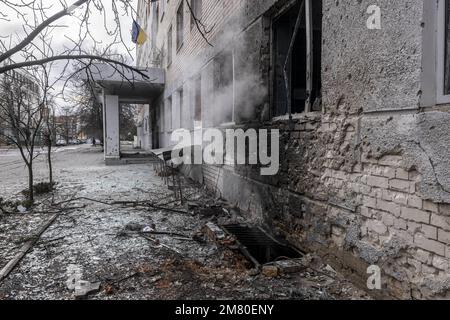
{"points": [[363, 116]]}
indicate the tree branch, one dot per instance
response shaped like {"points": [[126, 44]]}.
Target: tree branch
{"points": [[39, 29], [69, 57]]}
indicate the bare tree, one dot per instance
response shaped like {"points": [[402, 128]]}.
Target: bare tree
{"points": [[49, 134], [22, 113]]}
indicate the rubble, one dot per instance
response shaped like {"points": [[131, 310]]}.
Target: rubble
{"points": [[289, 266], [214, 232], [270, 271], [123, 251], [84, 288], [22, 209]]}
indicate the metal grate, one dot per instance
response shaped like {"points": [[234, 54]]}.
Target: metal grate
{"points": [[261, 247]]}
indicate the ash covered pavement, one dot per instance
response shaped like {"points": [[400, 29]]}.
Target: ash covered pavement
{"points": [[98, 248]]}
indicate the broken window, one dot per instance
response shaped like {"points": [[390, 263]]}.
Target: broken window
{"points": [[169, 46], [180, 25], [223, 88], [297, 47], [197, 10], [182, 113], [198, 101]]}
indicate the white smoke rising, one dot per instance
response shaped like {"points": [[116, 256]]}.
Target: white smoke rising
{"points": [[242, 96]]}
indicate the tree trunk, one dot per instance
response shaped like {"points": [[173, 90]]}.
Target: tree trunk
{"points": [[30, 183], [50, 166]]}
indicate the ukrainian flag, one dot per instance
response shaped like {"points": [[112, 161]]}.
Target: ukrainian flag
{"points": [[138, 34]]}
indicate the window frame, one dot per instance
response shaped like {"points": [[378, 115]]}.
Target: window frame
{"points": [[218, 85], [169, 46], [433, 55], [181, 107], [441, 97], [309, 54], [198, 103]]}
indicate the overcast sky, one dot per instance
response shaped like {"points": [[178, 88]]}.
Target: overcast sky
{"points": [[70, 27]]}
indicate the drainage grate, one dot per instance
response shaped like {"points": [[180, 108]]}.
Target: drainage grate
{"points": [[259, 245]]}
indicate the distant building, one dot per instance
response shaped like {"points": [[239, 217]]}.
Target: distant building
{"points": [[23, 84], [67, 127]]}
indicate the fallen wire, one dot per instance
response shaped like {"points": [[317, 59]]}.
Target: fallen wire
{"points": [[156, 242], [172, 234], [60, 211], [132, 204], [116, 282]]}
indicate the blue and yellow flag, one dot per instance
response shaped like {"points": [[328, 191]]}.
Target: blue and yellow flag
{"points": [[138, 34]]}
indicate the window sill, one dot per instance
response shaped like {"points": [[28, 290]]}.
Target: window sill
{"points": [[443, 99], [227, 124], [296, 116]]}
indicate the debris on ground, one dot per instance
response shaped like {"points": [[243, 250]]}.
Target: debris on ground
{"points": [[84, 288], [289, 266], [213, 232], [270, 271], [123, 235], [22, 209]]}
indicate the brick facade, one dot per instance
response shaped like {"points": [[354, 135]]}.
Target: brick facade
{"points": [[362, 181]]}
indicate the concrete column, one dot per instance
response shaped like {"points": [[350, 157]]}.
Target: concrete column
{"points": [[111, 126]]}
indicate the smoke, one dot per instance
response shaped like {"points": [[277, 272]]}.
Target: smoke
{"points": [[243, 96], [237, 99]]}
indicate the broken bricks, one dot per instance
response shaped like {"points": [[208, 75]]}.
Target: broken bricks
{"points": [[289, 266], [282, 267], [270, 271], [214, 232], [80, 287], [84, 288]]}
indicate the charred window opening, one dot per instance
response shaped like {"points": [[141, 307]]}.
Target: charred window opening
{"points": [[198, 101], [223, 88], [303, 71], [169, 46], [181, 108]]}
